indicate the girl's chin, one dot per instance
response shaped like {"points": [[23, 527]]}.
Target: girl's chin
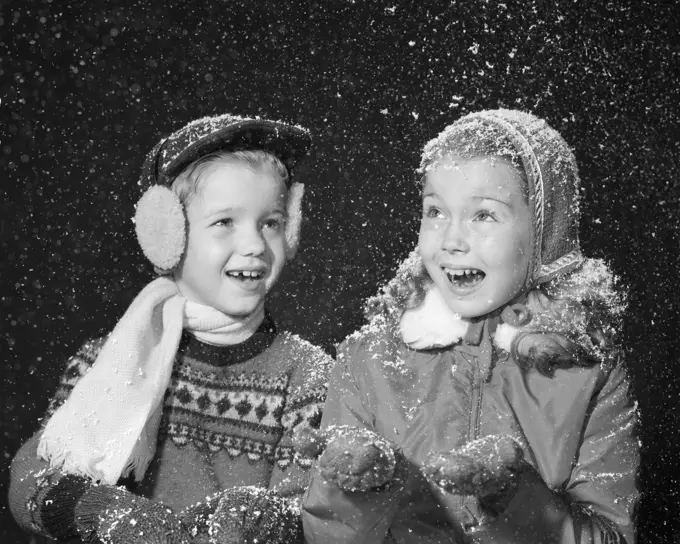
{"points": [[468, 309]]}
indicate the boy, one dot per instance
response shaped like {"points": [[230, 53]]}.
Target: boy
{"points": [[195, 392]]}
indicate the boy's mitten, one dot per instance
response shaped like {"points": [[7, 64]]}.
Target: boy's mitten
{"points": [[487, 467], [113, 515], [196, 518], [250, 515], [354, 459]]}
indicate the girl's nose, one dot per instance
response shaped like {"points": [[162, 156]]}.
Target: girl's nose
{"points": [[455, 239]]}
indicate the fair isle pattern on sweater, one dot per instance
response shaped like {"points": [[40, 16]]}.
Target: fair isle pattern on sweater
{"points": [[242, 413], [244, 400], [246, 404]]}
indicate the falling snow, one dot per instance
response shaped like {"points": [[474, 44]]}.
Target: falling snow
{"points": [[86, 89]]}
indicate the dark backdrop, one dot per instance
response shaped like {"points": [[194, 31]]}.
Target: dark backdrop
{"points": [[88, 87]]}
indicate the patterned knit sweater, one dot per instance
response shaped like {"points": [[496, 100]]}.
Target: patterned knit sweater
{"points": [[228, 418]]}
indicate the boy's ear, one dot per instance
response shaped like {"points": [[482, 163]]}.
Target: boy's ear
{"points": [[294, 218], [161, 227]]}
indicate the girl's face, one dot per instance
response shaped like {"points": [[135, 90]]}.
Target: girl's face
{"points": [[475, 234], [236, 242]]}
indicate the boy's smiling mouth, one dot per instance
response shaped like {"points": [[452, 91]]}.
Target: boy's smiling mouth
{"points": [[248, 279], [246, 274], [464, 280]]}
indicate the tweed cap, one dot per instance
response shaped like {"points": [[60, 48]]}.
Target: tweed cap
{"points": [[553, 182], [171, 155]]}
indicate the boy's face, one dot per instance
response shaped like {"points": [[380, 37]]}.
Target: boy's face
{"points": [[235, 242], [475, 234]]}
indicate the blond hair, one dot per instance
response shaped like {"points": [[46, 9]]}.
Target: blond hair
{"points": [[188, 181], [572, 320]]}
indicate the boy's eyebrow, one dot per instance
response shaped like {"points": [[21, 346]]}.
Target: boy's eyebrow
{"points": [[232, 209]]}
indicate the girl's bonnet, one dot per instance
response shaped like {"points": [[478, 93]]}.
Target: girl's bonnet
{"points": [[108, 426]]}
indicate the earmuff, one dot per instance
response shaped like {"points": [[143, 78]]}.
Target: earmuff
{"points": [[160, 225]]}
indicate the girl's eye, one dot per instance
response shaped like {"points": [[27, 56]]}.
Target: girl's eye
{"points": [[225, 222], [484, 215], [432, 212]]}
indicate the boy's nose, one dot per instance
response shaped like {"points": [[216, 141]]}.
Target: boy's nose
{"points": [[251, 242], [455, 239]]}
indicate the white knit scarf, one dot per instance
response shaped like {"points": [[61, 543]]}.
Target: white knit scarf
{"points": [[108, 426]]}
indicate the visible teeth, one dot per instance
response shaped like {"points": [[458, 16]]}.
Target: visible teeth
{"points": [[460, 273], [245, 273]]}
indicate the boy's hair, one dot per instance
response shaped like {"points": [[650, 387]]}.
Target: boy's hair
{"points": [[558, 308], [187, 183]]}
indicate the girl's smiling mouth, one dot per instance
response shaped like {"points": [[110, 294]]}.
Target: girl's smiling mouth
{"points": [[464, 280]]}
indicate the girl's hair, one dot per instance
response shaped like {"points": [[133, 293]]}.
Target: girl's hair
{"points": [[469, 142], [188, 182], [573, 318]]}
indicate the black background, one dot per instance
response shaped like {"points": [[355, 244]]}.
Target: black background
{"points": [[88, 87]]}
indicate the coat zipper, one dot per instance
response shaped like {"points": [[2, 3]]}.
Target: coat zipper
{"points": [[476, 387], [475, 402]]}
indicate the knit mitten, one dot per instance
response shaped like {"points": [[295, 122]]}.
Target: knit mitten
{"points": [[354, 459], [196, 518], [487, 468], [113, 515], [250, 515]]}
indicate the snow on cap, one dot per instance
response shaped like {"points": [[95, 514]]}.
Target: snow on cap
{"points": [[290, 143], [552, 177]]}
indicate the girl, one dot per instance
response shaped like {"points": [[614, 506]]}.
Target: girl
{"points": [[485, 400]]}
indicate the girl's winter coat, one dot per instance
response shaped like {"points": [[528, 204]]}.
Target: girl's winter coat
{"points": [[577, 429]]}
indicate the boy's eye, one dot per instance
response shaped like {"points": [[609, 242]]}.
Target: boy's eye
{"points": [[432, 212], [273, 224]]}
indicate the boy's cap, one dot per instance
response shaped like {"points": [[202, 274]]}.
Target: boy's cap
{"points": [[290, 143]]}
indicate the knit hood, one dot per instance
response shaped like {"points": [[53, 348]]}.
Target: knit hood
{"points": [[556, 261], [553, 182]]}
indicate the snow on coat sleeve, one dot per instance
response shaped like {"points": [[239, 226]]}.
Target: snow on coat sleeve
{"points": [[597, 505], [330, 514], [39, 505]]}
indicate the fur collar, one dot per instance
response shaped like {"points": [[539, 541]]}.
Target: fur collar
{"points": [[434, 325]]}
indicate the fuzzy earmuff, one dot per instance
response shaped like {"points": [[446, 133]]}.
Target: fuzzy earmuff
{"points": [[161, 227], [294, 223]]}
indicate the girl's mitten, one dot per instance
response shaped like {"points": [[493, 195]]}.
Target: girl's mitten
{"points": [[354, 459], [486, 467]]}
